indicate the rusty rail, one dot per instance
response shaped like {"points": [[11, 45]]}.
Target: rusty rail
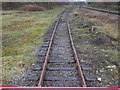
{"points": [[48, 51], [75, 56], [47, 54]]}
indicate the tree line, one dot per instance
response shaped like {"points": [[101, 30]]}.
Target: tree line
{"points": [[47, 5], [105, 5]]}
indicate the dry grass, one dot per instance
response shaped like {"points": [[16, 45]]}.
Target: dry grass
{"points": [[22, 33], [32, 7], [109, 23], [104, 17], [102, 53]]}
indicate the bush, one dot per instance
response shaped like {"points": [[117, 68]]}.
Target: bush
{"points": [[32, 7]]}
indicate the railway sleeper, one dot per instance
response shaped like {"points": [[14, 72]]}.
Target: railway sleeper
{"points": [[62, 84], [60, 78], [47, 37], [90, 78], [56, 61], [94, 84], [41, 49], [85, 61], [62, 20], [62, 61], [61, 68], [45, 45], [87, 68], [46, 42], [61, 55], [61, 46], [87, 72], [33, 78], [41, 55], [37, 69], [40, 61]]}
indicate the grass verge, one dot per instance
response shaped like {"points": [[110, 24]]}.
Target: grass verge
{"points": [[107, 24], [22, 33], [104, 10], [93, 45]]}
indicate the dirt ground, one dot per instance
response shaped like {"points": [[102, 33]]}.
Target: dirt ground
{"points": [[94, 46]]}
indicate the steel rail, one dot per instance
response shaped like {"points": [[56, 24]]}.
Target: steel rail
{"points": [[47, 54], [75, 56]]}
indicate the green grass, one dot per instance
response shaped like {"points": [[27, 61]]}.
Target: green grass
{"points": [[22, 33], [102, 9]]}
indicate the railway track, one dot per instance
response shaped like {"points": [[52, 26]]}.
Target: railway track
{"points": [[58, 58], [61, 67]]}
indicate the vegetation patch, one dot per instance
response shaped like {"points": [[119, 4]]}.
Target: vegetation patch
{"points": [[104, 10], [22, 33], [103, 21], [32, 7], [92, 43]]}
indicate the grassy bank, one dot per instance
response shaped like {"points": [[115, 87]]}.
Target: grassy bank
{"points": [[108, 24], [22, 33], [104, 10]]}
